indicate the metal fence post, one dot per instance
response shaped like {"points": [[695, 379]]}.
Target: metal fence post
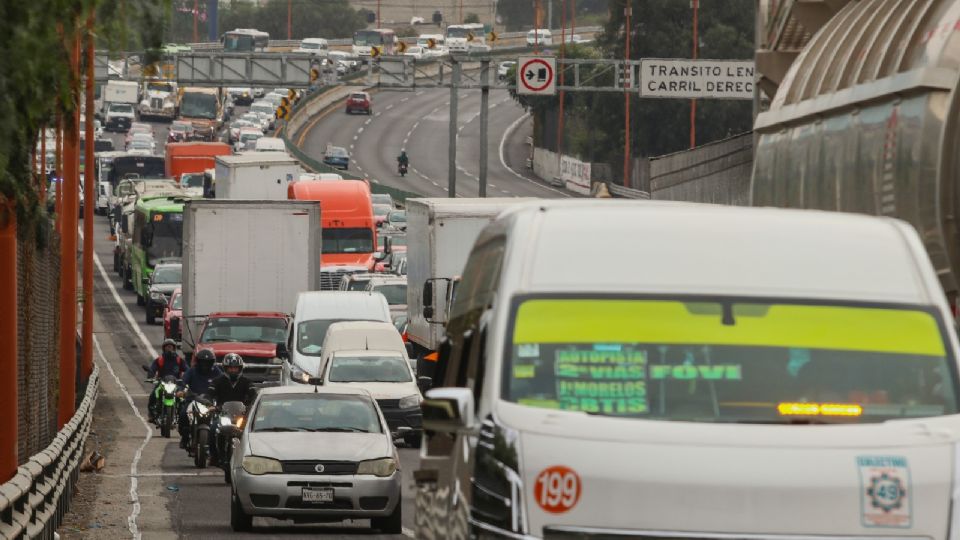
{"points": [[484, 122], [452, 149]]}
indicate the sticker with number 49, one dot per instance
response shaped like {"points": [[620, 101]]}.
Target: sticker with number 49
{"points": [[557, 489]]}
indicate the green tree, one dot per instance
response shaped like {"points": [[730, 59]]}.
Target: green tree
{"points": [[471, 18], [328, 19]]}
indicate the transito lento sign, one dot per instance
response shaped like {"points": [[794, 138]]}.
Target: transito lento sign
{"points": [[715, 79]]}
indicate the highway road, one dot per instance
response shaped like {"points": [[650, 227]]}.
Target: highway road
{"points": [[198, 501], [418, 121]]}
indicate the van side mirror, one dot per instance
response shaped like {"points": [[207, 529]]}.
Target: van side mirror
{"points": [[424, 384], [282, 352], [448, 410], [146, 280]]}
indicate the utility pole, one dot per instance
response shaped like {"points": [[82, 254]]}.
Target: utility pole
{"points": [[58, 173], [693, 102], [563, 52], [536, 27], [626, 95], [196, 16], [378, 14], [68, 244], [452, 135], [484, 121], [290, 19], [549, 14], [90, 196], [9, 399]]}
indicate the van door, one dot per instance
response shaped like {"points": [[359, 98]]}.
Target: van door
{"points": [[447, 460]]}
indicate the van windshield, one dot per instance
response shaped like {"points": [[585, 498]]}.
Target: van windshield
{"points": [[730, 360], [310, 335], [350, 368]]}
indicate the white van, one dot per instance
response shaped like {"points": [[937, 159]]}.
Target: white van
{"points": [[744, 373], [314, 46], [315, 312], [270, 144], [544, 35], [372, 356]]}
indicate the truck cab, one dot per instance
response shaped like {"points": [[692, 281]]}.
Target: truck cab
{"points": [[253, 335]]}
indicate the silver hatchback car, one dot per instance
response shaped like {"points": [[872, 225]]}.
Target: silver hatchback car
{"points": [[314, 454]]}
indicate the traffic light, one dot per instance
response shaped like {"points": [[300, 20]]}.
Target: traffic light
{"points": [[401, 47], [371, 17], [437, 18]]}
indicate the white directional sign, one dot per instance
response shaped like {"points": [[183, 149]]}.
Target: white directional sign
{"points": [[537, 75], [696, 79]]}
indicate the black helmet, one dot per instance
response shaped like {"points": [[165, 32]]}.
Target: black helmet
{"points": [[232, 360], [169, 342], [206, 359]]}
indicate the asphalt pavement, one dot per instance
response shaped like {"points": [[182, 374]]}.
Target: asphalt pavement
{"points": [[418, 121], [198, 501]]}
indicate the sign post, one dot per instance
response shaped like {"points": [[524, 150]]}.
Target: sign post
{"points": [[537, 75]]}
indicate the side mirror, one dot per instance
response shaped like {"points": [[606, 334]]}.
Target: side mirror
{"points": [[427, 298], [424, 384], [448, 410], [146, 281], [282, 352], [379, 256]]}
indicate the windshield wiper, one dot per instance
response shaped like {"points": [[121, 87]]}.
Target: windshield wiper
{"points": [[341, 430], [280, 429]]}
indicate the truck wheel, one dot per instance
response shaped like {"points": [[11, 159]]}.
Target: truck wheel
{"points": [[390, 524]]}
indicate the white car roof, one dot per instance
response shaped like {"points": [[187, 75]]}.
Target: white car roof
{"points": [[668, 247], [310, 389], [344, 304]]}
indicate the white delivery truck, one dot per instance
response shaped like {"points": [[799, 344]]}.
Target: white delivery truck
{"points": [[246, 257], [119, 100], [262, 176], [440, 233]]}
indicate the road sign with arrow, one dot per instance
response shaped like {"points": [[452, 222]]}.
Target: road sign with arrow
{"points": [[536, 75]]}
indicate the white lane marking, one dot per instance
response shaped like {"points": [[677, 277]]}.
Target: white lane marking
{"points": [[360, 130], [404, 100], [351, 147], [134, 482], [355, 137], [376, 115], [367, 123], [135, 463], [408, 533], [503, 161]]}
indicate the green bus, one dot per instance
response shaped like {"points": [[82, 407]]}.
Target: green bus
{"points": [[157, 234]]}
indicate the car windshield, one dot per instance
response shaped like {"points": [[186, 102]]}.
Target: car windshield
{"points": [[308, 45], [166, 236], [249, 137], [358, 96], [121, 108], [316, 412], [347, 240], [310, 335], [381, 210], [360, 369], [198, 105], [359, 284], [381, 198], [192, 180], [337, 153], [177, 302], [730, 360], [457, 32], [244, 330], [398, 217], [167, 274], [396, 293], [179, 128]]}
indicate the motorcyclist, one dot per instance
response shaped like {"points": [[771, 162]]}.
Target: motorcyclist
{"points": [[168, 363], [231, 386], [196, 381], [403, 160]]}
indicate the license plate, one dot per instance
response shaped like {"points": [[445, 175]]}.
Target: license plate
{"points": [[317, 495]]}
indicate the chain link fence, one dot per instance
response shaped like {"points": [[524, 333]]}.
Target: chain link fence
{"points": [[38, 319]]}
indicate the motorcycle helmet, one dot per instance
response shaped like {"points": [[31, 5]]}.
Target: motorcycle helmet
{"points": [[205, 360], [169, 342], [233, 365]]}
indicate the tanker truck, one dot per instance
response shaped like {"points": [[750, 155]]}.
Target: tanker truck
{"points": [[867, 120]]}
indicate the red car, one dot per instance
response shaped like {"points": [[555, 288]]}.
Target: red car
{"points": [[359, 102], [173, 316], [254, 335]]}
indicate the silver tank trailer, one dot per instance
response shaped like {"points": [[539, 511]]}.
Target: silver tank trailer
{"points": [[867, 120]]}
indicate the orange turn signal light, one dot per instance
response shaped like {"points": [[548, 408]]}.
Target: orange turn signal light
{"points": [[819, 409]]}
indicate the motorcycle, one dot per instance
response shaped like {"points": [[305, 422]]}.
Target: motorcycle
{"points": [[231, 421], [200, 412], [402, 169], [165, 417]]}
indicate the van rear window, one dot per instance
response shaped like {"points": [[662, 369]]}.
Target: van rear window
{"points": [[730, 360]]}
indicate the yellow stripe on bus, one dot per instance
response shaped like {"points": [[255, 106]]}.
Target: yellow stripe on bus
{"points": [[898, 331]]}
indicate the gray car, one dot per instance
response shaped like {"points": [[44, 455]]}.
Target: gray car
{"points": [[315, 454], [165, 279]]}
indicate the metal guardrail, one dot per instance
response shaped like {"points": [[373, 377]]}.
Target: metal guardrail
{"points": [[34, 501], [625, 192]]}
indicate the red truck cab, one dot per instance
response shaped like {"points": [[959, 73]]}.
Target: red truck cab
{"points": [[254, 335], [349, 229]]}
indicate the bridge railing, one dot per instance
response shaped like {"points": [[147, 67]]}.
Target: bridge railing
{"points": [[34, 502]]}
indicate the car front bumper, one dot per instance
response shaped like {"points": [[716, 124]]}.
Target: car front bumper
{"points": [[279, 495]]}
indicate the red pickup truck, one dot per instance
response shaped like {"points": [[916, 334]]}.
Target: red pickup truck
{"points": [[254, 335]]}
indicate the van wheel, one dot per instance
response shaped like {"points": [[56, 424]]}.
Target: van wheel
{"points": [[390, 524]]}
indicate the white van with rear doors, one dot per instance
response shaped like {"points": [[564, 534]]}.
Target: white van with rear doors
{"points": [[747, 373], [315, 312], [372, 356]]}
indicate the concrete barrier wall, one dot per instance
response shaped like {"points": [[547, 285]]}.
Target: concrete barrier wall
{"points": [[716, 173]]}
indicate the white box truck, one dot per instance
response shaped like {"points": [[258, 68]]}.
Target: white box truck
{"points": [[119, 102], [440, 234], [247, 259], [261, 176]]}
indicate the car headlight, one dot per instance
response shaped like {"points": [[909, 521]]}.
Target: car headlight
{"points": [[158, 296], [225, 421], [409, 401], [378, 467], [169, 388], [299, 375], [260, 465]]}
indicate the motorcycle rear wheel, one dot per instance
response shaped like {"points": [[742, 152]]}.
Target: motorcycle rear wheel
{"points": [[200, 449], [166, 422]]}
